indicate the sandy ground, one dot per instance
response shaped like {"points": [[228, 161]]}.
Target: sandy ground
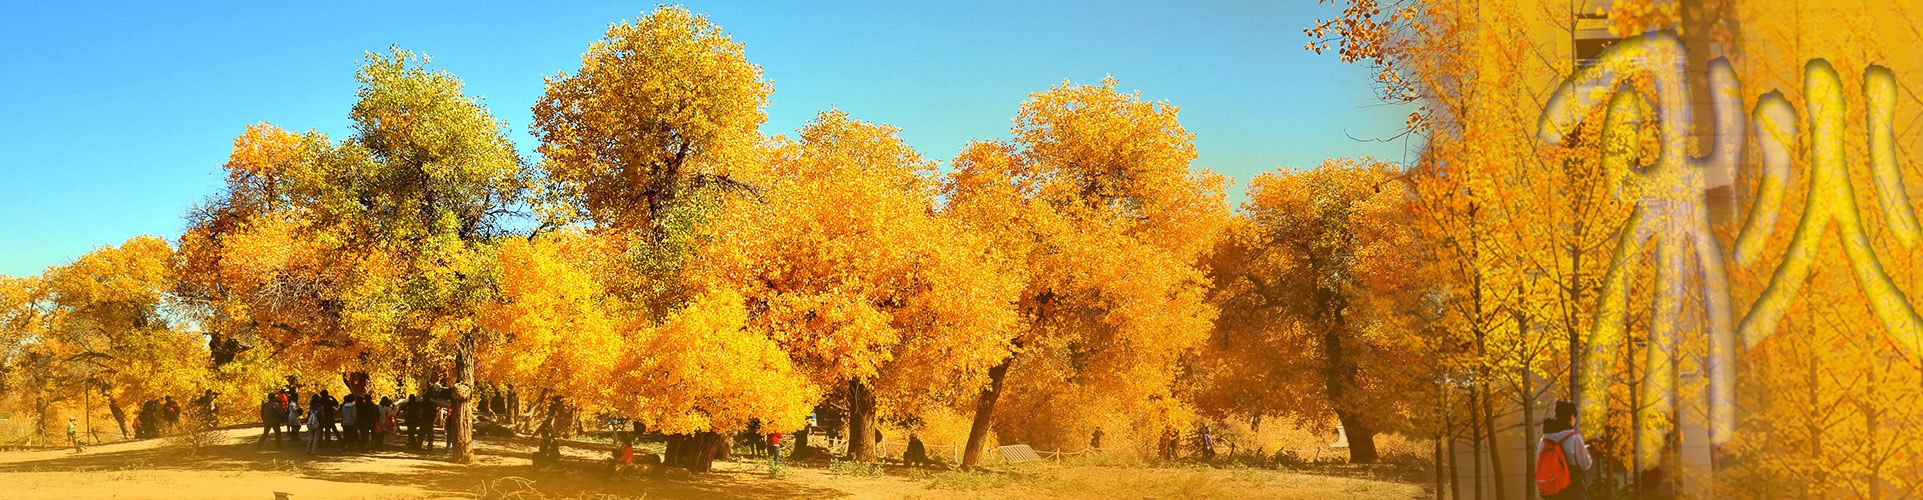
{"points": [[238, 470]]}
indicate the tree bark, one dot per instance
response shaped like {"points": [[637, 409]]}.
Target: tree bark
{"points": [[120, 415], [460, 421], [1495, 452], [697, 452], [985, 413], [1528, 436], [1339, 377], [1455, 477], [513, 404], [1438, 462], [861, 421], [1361, 438], [1475, 447]]}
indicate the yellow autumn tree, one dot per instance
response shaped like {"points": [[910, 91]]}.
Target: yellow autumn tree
{"points": [[847, 267], [702, 372], [1107, 225], [1826, 406], [96, 332], [368, 254], [1515, 234], [1304, 299], [658, 121]]}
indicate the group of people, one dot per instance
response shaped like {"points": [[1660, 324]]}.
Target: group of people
{"points": [[357, 423], [156, 417]]}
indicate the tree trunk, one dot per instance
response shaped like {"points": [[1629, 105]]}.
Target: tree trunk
{"points": [[460, 421], [1338, 378], [1475, 444], [672, 453], [1438, 462], [1528, 436], [698, 452], [120, 415], [984, 413], [86, 412], [861, 422], [1495, 452], [1455, 477], [1361, 438], [513, 404]]}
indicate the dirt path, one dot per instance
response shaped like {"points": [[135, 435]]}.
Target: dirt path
{"points": [[237, 470]]}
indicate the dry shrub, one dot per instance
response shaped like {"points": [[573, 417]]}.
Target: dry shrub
{"points": [[192, 439]]}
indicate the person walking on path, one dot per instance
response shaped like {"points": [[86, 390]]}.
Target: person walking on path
{"points": [[774, 446], [73, 434], [1562, 457]]}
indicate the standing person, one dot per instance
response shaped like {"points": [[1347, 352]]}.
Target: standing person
{"points": [[271, 418], [1561, 457], [386, 422], [148, 420], [329, 409], [447, 421], [209, 413], [411, 413], [316, 411], [1208, 443], [774, 446], [350, 423], [1095, 439], [330, 420], [171, 411], [370, 420], [293, 419], [73, 434], [420, 423]]}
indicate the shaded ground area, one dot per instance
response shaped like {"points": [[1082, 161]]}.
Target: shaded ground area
{"points": [[236, 469]]}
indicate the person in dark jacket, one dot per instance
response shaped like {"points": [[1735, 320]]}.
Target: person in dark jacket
{"points": [[329, 409], [419, 426], [271, 418], [171, 413], [370, 421], [917, 453]]}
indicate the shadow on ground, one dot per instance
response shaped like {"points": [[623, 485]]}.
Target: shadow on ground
{"points": [[497, 461]]}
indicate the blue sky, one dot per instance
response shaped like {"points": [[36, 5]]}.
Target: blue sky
{"points": [[118, 116]]}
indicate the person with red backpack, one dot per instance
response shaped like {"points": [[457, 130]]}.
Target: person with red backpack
{"points": [[1561, 457]]}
